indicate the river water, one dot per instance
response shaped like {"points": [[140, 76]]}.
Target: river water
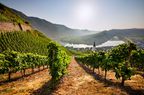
{"points": [[105, 44]]}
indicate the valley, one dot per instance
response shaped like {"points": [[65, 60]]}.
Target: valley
{"points": [[38, 56]]}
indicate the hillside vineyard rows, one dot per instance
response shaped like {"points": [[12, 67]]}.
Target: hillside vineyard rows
{"points": [[57, 61], [24, 41]]}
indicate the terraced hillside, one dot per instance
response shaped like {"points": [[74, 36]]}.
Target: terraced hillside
{"points": [[29, 41]]}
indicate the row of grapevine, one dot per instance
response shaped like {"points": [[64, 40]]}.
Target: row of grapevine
{"points": [[24, 41], [58, 60], [137, 59], [12, 62], [123, 60]]}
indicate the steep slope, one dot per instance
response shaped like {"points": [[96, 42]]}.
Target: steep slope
{"points": [[29, 41], [9, 21], [54, 31], [63, 33], [7, 15], [17, 34]]}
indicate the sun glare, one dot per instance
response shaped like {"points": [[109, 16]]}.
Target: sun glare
{"points": [[84, 12]]}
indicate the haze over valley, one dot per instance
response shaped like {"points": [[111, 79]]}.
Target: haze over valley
{"points": [[62, 33], [71, 47]]}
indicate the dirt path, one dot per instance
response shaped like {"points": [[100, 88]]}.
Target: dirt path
{"points": [[73, 80], [79, 82]]}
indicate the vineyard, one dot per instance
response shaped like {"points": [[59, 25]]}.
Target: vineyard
{"points": [[57, 61], [124, 60], [32, 62], [24, 41]]}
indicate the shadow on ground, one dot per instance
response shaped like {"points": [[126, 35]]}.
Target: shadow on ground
{"points": [[19, 77], [108, 83], [47, 88]]}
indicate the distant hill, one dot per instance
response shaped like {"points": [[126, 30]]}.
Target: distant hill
{"points": [[54, 31], [121, 34], [62, 33]]}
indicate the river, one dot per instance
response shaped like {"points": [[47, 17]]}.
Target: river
{"points": [[105, 44]]}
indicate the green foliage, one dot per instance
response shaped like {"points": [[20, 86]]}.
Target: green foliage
{"points": [[29, 41], [58, 60], [117, 59], [12, 61], [94, 60], [106, 64], [120, 57], [123, 71], [137, 59]]}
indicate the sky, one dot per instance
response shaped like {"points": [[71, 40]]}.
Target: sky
{"points": [[85, 14]]}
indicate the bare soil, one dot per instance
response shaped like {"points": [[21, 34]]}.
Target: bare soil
{"points": [[79, 80], [26, 85], [82, 81]]}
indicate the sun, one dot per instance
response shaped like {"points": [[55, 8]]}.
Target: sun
{"points": [[84, 12]]}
